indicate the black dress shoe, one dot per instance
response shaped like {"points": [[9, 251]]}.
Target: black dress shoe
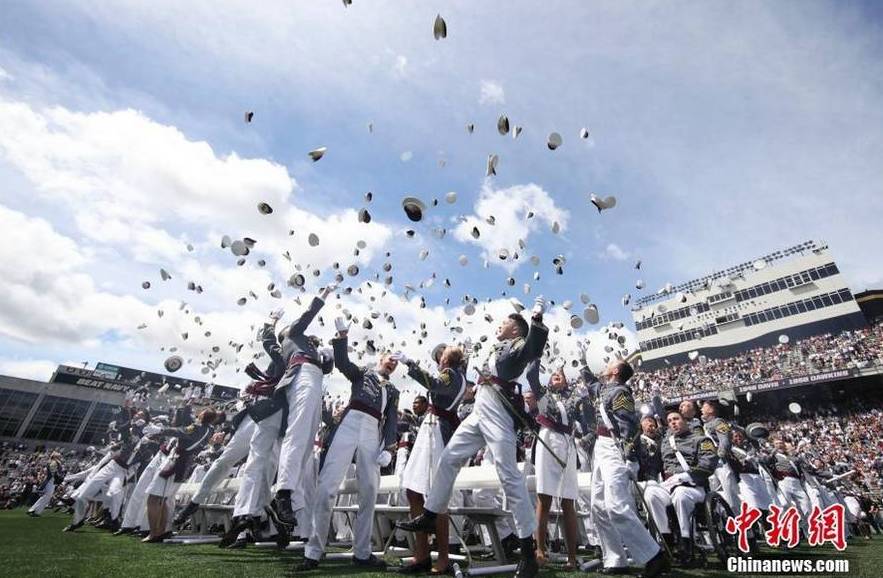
{"points": [[420, 567], [231, 535], [282, 507], [185, 514], [72, 527], [425, 522], [616, 570], [656, 565], [124, 531], [527, 568], [371, 561], [307, 565], [282, 539], [238, 544]]}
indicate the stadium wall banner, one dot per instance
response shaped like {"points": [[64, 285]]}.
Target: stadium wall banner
{"points": [[770, 385], [798, 381], [109, 377]]}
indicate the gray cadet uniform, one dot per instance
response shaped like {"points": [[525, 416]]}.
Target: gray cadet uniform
{"points": [[613, 504], [743, 461], [717, 430], [244, 426], [687, 462], [302, 387], [367, 428], [436, 426], [789, 474], [491, 424], [267, 411], [559, 412]]}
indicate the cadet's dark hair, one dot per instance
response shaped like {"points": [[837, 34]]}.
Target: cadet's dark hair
{"points": [[713, 404], [625, 371], [520, 323], [419, 397]]}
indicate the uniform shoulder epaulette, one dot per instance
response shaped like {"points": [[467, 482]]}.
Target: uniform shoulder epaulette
{"points": [[190, 428], [446, 376], [706, 445], [723, 427]]}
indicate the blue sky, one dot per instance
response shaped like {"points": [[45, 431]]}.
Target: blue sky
{"points": [[725, 130]]}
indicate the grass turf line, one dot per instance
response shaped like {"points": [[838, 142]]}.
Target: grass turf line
{"points": [[37, 547]]}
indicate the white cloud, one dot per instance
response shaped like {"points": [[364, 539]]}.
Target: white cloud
{"points": [[47, 296], [128, 181], [36, 369], [4, 75], [509, 209], [400, 65], [491, 93], [406, 156], [615, 252]]}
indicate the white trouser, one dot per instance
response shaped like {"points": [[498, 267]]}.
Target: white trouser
{"points": [[102, 480], [729, 485], [115, 495], [252, 493], [358, 434], [613, 507], [305, 498], [853, 509], [792, 493], [753, 491], [684, 500], [488, 424], [136, 509], [234, 452], [304, 396], [657, 499], [44, 498]]}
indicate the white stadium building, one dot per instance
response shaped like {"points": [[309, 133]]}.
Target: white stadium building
{"points": [[796, 292]]}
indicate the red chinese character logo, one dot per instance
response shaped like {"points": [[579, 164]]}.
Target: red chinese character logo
{"points": [[742, 523], [783, 527], [827, 526]]}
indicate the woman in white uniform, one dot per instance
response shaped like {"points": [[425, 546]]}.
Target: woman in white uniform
{"points": [[560, 406], [445, 393]]}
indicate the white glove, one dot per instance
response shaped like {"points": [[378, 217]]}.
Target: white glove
{"points": [[328, 290], [633, 467], [341, 325], [676, 480], [539, 306], [326, 352], [384, 459], [151, 429], [277, 314], [400, 357]]}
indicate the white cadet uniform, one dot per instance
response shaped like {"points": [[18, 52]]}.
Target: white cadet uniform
{"points": [[491, 424], [303, 391], [52, 469], [791, 491], [109, 476], [234, 452], [367, 427], [613, 504], [135, 515], [263, 449]]}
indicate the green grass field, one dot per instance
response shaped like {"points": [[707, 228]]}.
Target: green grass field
{"points": [[37, 547]]}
